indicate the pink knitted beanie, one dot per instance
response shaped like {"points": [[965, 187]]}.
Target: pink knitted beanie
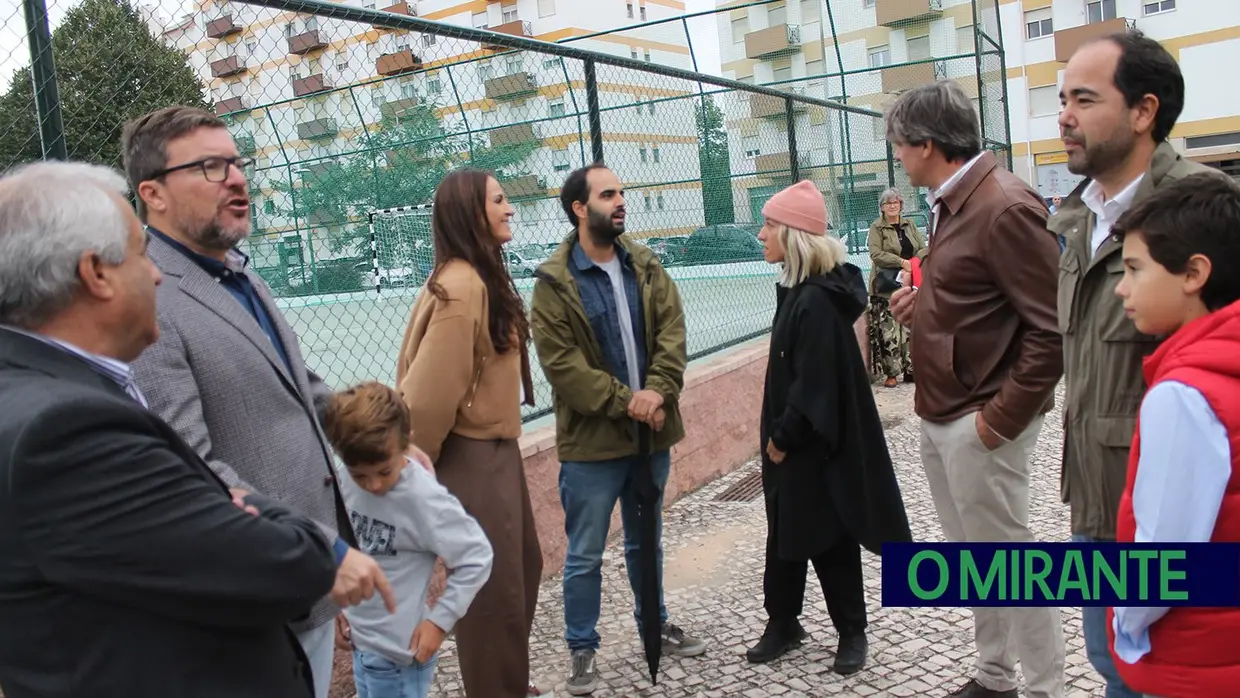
{"points": [[800, 206]]}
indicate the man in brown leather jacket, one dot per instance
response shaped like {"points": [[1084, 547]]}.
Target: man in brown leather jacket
{"points": [[987, 356], [1121, 96]]}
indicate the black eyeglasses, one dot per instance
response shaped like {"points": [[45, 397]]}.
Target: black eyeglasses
{"points": [[214, 169]]}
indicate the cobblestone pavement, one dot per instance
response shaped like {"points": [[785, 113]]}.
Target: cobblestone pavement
{"points": [[713, 588]]}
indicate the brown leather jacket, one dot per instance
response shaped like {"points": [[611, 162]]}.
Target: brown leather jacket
{"points": [[985, 335]]}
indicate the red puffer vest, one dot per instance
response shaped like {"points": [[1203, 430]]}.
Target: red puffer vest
{"points": [[1194, 652]]}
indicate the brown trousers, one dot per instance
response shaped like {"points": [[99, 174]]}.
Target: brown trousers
{"points": [[493, 638]]}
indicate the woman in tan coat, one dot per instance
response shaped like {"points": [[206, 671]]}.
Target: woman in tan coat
{"points": [[464, 372], [893, 242]]}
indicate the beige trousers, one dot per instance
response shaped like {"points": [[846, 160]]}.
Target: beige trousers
{"points": [[983, 496]]}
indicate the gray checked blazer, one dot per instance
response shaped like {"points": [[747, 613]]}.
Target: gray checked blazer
{"points": [[218, 381]]}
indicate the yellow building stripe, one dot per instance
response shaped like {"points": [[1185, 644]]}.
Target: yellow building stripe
{"points": [[1206, 127]]}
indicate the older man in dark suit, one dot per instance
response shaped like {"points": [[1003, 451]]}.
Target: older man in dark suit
{"points": [[126, 567]]}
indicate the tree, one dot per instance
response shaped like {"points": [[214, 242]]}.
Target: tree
{"points": [[109, 68], [398, 164], [716, 164]]}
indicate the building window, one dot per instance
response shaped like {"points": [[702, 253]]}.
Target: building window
{"points": [[480, 20], [644, 155], [966, 40], [551, 63], [880, 56], [867, 3], [652, 108], [630, 10], [514, 65], [782, 74], [434, 86], [555, 108], [740, 27], [655, 153], [647, 202], [776, 15], [1156, 7], [647, 55], [643, 12], [633, 53], [752, 147], [509, 12], [659, 201], [1044, 100], [811, 11], [918, 48], [1100, 11], [546, 8], [1039, 23], [429, 39], [560, 160]]}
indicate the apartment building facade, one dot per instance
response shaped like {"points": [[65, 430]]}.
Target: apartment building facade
{"points": [[868, 51], [1040, 36], [302, 92]]}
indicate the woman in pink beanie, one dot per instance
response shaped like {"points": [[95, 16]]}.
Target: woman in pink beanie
{"points": [[829, 483]]}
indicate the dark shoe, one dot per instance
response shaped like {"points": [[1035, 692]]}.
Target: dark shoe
{"points": [[908, 378], [973, 689], [584, 677], [850, 656], [677, 644], [777, 640]]}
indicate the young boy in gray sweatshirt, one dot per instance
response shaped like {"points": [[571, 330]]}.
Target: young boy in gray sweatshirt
{"points": [[404, 519]]}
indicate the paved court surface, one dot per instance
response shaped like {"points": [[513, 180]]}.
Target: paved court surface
{"points": [[713, 580]]}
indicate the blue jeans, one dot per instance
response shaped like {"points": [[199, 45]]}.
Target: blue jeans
{"points": [[588, 491], [1098, 646], [375, 676]]}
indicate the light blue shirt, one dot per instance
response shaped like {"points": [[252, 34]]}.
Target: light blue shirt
{"points": [[114, 370], [1176, 498]]}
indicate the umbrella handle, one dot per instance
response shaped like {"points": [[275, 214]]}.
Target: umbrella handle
{"points": [[645, 438]]}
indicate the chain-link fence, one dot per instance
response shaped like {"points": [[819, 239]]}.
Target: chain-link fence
{"points": [[353, 115]]}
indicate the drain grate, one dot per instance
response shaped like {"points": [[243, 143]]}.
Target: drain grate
{"points": [[746, 489]]}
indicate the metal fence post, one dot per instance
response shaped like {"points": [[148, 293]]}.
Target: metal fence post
{"points": [[596, 119], [793, 165], [891, 166], [43, 79]]}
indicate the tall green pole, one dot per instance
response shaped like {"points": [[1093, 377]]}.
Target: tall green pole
{"points": [[43, 77]]}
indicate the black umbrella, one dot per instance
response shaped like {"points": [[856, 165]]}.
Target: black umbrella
{"points": [[648, 573]]}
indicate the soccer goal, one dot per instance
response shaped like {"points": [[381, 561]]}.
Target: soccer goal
{"points": [[402, 251]]}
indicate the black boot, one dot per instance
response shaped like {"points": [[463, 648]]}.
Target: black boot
{"points": [[780, 637], [850, 657]]}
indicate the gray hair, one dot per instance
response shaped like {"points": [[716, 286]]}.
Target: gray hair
{"points": [[51, 213], [941, 114], [890, 194]]}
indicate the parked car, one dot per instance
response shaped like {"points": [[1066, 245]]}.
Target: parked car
{"points": [[520, 266], [723, 243]]}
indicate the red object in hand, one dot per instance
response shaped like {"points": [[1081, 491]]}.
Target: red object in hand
{"points": [[915, 270]]}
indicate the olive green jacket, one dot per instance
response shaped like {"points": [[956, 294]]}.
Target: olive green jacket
{"points": [[884, 245], [591, 405], [1103, 352]]}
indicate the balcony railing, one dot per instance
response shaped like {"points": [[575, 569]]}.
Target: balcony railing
{"points": [[400, 8], [777, 162], [221, 27], [306, 42], [317, 128], [904, 77], [1067, 41], [245, 144], [232, 104], [516, 28], [525, 187], [898, 13], [516, 134], [398, 63], [773, 41], [310, 85], [766, 106], [398, 108], [511, 86], [225, 67]]}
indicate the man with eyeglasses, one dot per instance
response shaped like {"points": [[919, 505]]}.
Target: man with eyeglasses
{"points": [[227, 373]]}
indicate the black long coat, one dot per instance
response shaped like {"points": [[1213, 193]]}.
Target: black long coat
{"points": [[837, 478]]}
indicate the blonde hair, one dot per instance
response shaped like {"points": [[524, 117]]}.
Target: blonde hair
{"points": [[806, 255]]}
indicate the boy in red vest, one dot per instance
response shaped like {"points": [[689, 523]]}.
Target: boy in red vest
{"points": [[1184, 468]]}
